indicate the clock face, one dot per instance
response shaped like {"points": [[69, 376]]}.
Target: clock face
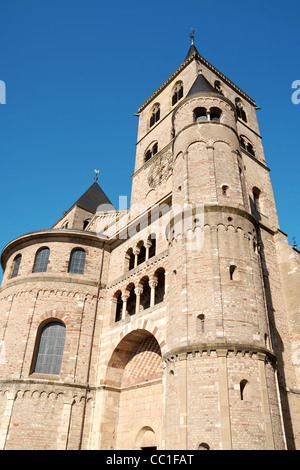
{"points": [[160, 170]]}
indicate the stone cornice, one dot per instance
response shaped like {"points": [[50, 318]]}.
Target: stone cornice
{"points": [[201, 59], [221, 349], [46, 278]]}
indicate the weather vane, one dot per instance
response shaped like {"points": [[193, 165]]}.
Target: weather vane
{"points": [[96, 174], [192, 35]]}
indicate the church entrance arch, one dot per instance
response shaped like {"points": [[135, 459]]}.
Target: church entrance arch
{"points": [[134, 392]]}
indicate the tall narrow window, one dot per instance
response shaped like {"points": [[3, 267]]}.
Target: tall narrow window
{"points": [[240, 110], [160, 288], [152, 249], [119, 306], [256, 199], [232, 270], [177, 93], [148, 155], [243, 384], [77, 262], [50, 349], [41, 260], [141, 255], [16, 266], [155, 115]]}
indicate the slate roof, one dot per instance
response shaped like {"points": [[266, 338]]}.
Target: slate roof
{"points": [[202, 85], [92, 198]]}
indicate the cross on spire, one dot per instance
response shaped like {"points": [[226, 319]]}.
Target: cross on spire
{"points": [[192, 36]]}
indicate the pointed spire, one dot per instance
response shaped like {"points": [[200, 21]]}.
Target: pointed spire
{"points": [[192, 49]]}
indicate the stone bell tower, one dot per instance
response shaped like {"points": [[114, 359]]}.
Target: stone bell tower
{"points": [[199, 142]]}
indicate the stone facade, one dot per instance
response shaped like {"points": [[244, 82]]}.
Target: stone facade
{"points": [[182, 329]]}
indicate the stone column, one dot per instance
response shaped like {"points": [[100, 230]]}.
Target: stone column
{"points": [[152, 285], [138, 291], [148, 245], [124, 298], [136, 253]]}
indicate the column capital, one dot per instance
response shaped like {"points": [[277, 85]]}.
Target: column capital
{"points": [[138, 290], [153, 283]]}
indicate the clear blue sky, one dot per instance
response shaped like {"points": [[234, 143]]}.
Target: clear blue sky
{"points": [[76, 72]]}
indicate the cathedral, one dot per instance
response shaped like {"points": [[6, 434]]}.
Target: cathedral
{"points": [[171, 324]]}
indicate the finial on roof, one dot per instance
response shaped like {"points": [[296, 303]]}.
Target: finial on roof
{"points": [[295, 244], [96, 174], [192, 36]]}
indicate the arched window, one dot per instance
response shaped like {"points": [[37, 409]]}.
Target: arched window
{"points": [[129, 259], [16, 266], [201, 323], [131, 301], [148, 155], [232, 270], [247, 145], [160, 288], [225, 189], [145, 297], [152, 249], [240, 110], [77, 261], [243, 384], [155, 114], [50, 348], [249, 148], [177, 93], [151, 152], [119, 306], [142, 254], [200, 115], [41, 260], [203, 446], [256, 199], [215, 114], [86, 223]]}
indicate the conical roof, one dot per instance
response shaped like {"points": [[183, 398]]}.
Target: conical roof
{"points": [[92, 198], [202, 85]]}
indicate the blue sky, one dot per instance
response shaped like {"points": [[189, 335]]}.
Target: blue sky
{"points": [[76, 72]]}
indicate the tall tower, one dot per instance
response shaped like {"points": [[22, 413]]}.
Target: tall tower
{"points": [[173, 324]]}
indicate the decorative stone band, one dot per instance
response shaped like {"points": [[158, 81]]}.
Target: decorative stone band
{"points": [[221, 349]]}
